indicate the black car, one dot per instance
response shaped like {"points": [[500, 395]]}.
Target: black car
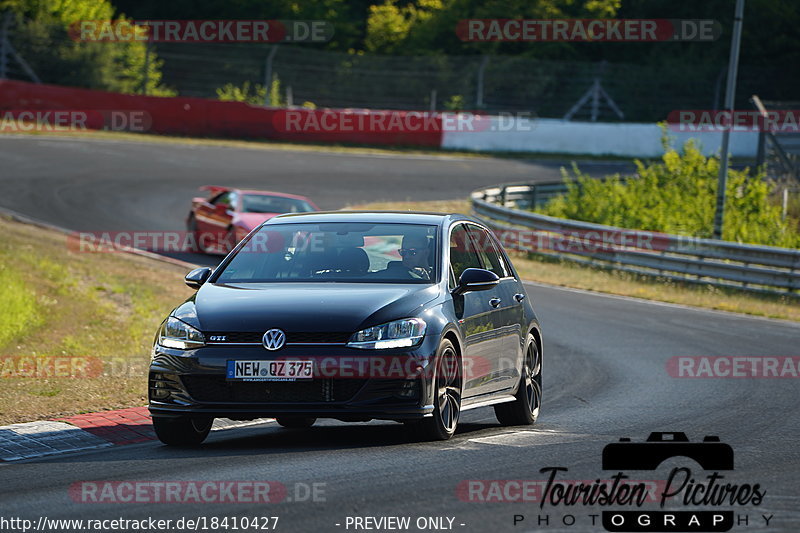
{"points": [[411, 317]]}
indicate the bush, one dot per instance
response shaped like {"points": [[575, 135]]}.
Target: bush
{"points": [[678, 196], [231, 93]]}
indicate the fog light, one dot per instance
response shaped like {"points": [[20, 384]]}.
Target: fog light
{"points": [[159, 388], [409, 389]]}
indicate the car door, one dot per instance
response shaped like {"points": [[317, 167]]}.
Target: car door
{"points": [[477, 316], [508, 313], [220, 215]]}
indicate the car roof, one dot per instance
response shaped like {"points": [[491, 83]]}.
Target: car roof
{"points": [[272, 193], [216, 189], [400, 217]]}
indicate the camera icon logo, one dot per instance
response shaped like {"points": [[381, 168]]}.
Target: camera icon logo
{"points": [[710, 454]]}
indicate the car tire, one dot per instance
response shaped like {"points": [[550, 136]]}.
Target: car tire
{"points": [[183, 430], [295, 422], [448, 388], [524, 410], [191, 229]]}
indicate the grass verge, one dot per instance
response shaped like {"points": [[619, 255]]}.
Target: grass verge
{"points": [[76, 328], [563, 273]]}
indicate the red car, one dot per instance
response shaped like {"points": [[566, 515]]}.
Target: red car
{"points": [[227, 215]]}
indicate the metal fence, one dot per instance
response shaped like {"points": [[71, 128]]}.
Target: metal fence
{"points": [[473, 82], [726, 264], [779, 152], [491, 83]]}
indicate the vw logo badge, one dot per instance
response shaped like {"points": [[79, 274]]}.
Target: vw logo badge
{"points": [[274, 339]]}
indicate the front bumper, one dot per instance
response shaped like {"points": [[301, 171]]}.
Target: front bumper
{"points": [[346, 385]]}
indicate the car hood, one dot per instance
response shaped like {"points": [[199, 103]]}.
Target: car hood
{"points": [[306, 307]]}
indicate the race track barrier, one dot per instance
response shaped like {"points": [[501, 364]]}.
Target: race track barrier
{"points": [[721, 263], [201, 117]]}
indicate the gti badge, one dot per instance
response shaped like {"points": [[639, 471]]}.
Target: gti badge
{"points": [[218, 338], [274, 339]]}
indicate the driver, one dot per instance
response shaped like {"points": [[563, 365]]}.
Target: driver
{"points": [[415, 262]]}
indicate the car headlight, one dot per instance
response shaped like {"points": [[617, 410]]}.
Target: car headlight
{"points": [[397, 334], [176, 334]]}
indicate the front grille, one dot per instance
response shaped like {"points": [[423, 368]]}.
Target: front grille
{"points": [[291, 338], [217, 389]]}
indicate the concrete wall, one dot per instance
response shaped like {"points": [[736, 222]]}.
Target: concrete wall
{"points": [[594, 138]]}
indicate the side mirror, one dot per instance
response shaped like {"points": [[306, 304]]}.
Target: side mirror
{"points": [[476, 279], [197, 277]]}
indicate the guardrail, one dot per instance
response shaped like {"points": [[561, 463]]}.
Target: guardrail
{"points": [[675, 257]]}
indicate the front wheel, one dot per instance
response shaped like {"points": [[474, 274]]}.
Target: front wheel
{"points": [[191, 229], [524, 410], [182, 431], [448, 387]]}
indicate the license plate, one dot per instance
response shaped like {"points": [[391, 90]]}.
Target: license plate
{"points": [[270, 370]]}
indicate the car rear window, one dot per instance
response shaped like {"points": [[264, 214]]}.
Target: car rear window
{"points": [[261, 203]]}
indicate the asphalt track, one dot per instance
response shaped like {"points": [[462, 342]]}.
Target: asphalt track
{"points": [[605, 371], [104, 185]]}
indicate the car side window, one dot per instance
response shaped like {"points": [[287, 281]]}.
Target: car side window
{"points": [[222, 199], [490, 256], [462, 251]]}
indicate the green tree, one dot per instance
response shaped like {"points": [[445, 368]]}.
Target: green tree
{"points": [[42, 36]]}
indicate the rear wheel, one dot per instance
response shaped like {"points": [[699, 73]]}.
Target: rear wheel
{"points": [[182, 431], [524, 410], [295, 421], [447, 400]]}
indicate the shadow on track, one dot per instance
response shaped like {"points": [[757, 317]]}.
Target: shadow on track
{"points": [[273, 440]]}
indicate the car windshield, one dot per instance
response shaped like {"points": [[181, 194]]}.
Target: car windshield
{"points": [[336, 252], [262, 203]]}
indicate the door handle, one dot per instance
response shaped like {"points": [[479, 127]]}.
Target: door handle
{"points": [[519, 297], [495, 302]]}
